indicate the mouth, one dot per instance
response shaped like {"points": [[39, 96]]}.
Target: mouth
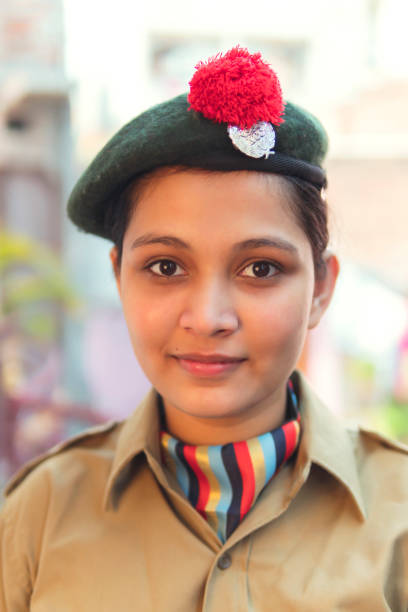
{"points": [[208, 365]]}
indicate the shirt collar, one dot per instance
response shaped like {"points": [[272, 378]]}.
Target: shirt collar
{"points": [[139, 433], [327, 443], [324, 442]]}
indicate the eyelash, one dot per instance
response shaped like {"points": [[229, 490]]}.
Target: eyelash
{"points": [[272, 264]]}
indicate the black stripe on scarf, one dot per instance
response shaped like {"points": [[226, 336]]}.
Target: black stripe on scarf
{"points": [[280, 445], [234, 474]]}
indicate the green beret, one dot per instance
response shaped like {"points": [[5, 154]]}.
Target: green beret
{"points": [[172, 134]]}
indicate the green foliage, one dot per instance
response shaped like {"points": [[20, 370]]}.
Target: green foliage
{"points": [[361, 370], [375, 408], [32, 283], [392, 420]]}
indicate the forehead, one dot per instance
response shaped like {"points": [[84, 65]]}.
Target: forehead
{"points": [[200, 203]]}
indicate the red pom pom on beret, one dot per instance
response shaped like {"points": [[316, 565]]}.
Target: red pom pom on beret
{"points": [[237, 88]]}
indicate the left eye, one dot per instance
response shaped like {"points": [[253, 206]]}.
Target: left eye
{"points": [[165, 267], [260, 269]]}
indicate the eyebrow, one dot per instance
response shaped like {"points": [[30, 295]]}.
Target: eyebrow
{"points": [[251, 243], [155, 239], [257, 243]]}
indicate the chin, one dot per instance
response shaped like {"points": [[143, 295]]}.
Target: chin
{"points": [[210, 402]]}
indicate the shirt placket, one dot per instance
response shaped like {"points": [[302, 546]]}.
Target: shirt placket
{"points": [[227, 588]]}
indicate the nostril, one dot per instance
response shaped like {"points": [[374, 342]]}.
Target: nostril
{"points": [[209, 322]]}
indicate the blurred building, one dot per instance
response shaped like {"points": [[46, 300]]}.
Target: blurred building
{"points": [[35, 149], [35, 170]]}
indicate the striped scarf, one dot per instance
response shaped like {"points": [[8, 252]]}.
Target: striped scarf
{"points": [[223, 482]]}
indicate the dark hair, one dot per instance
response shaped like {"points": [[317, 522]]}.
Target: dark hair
{"points": [[310, 210], [305, 201]]}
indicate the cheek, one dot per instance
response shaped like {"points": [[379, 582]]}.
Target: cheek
{"points": [[149, 321], [279, 323]]}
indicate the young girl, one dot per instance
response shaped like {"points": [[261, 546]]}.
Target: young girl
{"points": [[230, 488]]}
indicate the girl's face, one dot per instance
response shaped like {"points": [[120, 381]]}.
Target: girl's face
{"points": [[218, 290]]}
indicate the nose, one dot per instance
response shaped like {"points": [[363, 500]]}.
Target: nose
{"points": [[209, 310]]}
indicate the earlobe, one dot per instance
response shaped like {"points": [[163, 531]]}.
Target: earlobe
{"points": [[324, 289], [113, 255]]}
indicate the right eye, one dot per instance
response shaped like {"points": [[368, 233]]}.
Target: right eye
{"points": [[165, 267]]}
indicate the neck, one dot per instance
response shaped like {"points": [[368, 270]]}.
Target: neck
{"points": [[209, 431]]}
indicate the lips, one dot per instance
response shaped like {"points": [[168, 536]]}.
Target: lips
{"points": [[213, 358], [214, 365]]}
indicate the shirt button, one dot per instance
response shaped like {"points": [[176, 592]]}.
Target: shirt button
{"points": [[224, 562]]}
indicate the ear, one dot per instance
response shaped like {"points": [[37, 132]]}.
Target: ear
{"points": [[324, 289], [113, 255]]}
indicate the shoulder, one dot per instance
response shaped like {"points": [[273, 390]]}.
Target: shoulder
{"points": [[90, 441], [373, 442], [40, 494], [381, 461]]}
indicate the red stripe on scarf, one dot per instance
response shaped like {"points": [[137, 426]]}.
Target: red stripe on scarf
{"points": [[290, 431], [248, 476]]}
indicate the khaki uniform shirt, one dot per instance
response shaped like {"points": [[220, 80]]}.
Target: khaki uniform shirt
{"points": [[97, 525]]}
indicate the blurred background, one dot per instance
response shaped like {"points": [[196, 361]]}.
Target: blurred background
{"points": [[71, 73]]}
